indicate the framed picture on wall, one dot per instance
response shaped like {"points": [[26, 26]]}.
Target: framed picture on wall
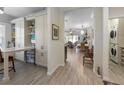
{"points": [[55, 32]]}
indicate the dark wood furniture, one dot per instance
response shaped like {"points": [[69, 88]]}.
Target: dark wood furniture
{"points": [[11, 60], [88, 55], [65, 53], [82, 46]]}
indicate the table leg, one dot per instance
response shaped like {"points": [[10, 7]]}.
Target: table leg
{"points": [[6, 65]]}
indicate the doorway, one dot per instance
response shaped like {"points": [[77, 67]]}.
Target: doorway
{"points": [[79, 36], [116, 43]]}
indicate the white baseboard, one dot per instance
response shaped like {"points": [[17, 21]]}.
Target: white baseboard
{"points": [[51, 72], [40, 65], [6, 78], [62, 65], [94, 71]]}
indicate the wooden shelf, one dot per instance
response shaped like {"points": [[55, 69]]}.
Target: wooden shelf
{"points": [[122, 55]]}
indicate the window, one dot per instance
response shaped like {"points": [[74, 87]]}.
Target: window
{"points": [[72, 38], [2, 29], [75, 38]]}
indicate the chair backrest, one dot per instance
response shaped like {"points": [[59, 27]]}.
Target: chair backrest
{"points": [[82, 45], [89, 52], [86, 48], [1, 58]]}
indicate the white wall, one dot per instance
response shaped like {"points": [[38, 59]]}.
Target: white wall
{"points": [[98, 38], [105, 64], [116, 12], [55, 47], [101, 46]]}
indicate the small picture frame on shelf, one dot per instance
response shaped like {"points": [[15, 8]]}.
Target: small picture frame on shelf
{"points": [[55, 32]]}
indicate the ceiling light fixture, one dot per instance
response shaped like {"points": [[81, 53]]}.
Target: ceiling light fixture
{"points": [[82, 32], [1, 10], [70, 32], [85, 25]]}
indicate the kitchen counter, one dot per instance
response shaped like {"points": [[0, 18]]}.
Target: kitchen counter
{"points": [[5, 55], [16, 49]]}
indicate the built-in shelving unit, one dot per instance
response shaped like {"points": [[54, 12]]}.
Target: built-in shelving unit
{"points": [[13, 33], [122, 55], [30, 55], [31, 31]]}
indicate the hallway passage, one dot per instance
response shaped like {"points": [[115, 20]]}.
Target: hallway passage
{"points": [[72, 73]]}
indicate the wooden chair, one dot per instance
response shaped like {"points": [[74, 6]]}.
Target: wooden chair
{"points": [[82, 46], [11, 59], [88, 55]]}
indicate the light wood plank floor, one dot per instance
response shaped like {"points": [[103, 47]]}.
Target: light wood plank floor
{"points": [[73, 73], [116, 73]]}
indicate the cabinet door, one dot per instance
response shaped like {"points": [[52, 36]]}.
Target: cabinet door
{"points": [[39, 40], [19, 42]]}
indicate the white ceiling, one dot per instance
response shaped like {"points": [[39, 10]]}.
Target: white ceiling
{"points": [[74, 19], [15, 12], [21, 11], [5, 18], [67, 9], [74, 16], [115, 12]]}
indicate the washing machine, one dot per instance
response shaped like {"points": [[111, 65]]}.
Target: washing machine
{"points": [[113, 36], [113, 30], [114, 52]]}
